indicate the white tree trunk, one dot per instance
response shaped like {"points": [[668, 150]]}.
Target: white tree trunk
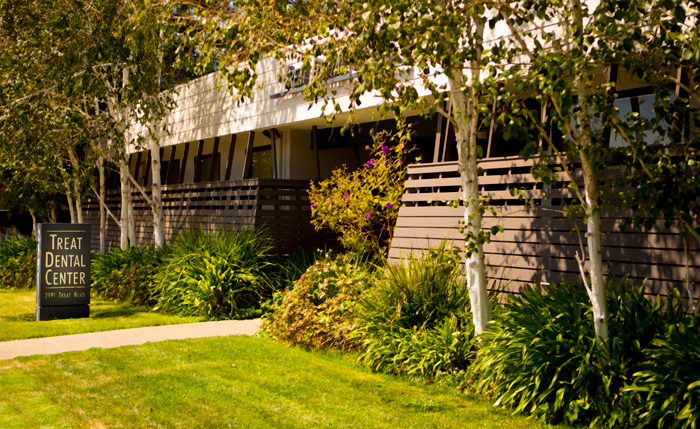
{"points": [[688, 251], [156, 196], [131, 223], [596, 291], [34, 229], [76, 185], [71, 207], [126, 200], [466, 119], [78, 203], [103, 209]]}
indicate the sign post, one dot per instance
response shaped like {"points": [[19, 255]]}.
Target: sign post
{"points": [[63, 271]]}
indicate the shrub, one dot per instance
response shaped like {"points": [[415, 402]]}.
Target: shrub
{"points": [[416, 319], [126, 275], [18, 263], [294, 266], [215, 274], [362, 206], [669, 381], [540, 355], [318, 312]]}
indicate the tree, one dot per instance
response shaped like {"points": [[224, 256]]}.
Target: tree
{"points": [[387, 50], [570, 67], [106, 54]]}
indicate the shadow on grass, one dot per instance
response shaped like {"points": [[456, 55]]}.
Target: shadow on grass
{"points": [[24, 317], [122, 312]]}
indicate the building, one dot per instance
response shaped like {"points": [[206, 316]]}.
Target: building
{"points": [[248, 163]]}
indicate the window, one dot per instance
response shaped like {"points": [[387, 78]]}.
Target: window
{"points": [[262, 163], [173, 176], [206, 168], [643, 105]]}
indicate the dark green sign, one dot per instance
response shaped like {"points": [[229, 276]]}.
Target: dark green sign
{"points": [[63, 271]]}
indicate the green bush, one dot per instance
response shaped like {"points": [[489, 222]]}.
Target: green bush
{"points": [[126, 275], [18, 263], [416, 319], [215, 274], [669, 380], [540, 356], [294, 266], [318, 312]]}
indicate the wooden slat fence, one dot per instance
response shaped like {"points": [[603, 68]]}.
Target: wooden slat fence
{"points": [[538, 244], [281, 206]]}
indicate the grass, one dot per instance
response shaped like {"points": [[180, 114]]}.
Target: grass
{"points": [[241, 382], [17, 317]]}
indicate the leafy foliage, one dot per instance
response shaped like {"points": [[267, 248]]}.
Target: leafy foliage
{"points": [[362, 206], [215, 274], [294, 266], [18, 263], [416, 318], [668, 382], [126, 275], [318, 312], [540, 354], [14, 247]]}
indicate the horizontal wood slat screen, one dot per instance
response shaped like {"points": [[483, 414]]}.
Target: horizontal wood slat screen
{"points": [[281, 206], [538, 244]]}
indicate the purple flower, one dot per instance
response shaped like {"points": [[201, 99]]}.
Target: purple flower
{"points": [[354, 179], [388, 205], [370, 162], [368, 216], [385, 150], [347, 196], [417, 121], [313, 206]]}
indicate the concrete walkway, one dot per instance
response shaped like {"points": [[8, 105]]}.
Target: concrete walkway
{"points": [[126, 337]]}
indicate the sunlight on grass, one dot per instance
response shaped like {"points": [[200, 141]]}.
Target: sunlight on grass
{"points": [[17, 317], [227, 382]]}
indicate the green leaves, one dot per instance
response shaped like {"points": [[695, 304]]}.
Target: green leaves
{"points": [[539, 356], [217, 275], [668, 381], [318, 312], [416, 317], [362, 206], [18, 263], [126, 275]]}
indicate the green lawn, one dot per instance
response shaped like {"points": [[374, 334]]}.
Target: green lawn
{"points": [[225, 382], [17, 317]]}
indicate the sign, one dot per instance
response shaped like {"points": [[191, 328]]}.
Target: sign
{"points": [[63, 271]]}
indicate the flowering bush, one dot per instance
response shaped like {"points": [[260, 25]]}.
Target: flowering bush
{"points": [[362, 206]]}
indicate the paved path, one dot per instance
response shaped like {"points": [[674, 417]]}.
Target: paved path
{"points": [[126, 337]]}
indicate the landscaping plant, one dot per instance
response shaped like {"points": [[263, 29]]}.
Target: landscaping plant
{"points": [[318, 312], [215, 274], [18, 263], [669, 380], [362, 206], [126, 275], [540, 355], [416, 318]]}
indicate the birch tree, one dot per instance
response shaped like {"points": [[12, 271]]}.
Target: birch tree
{"points": [[109, 51], [570, 54], [413, 55]]}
